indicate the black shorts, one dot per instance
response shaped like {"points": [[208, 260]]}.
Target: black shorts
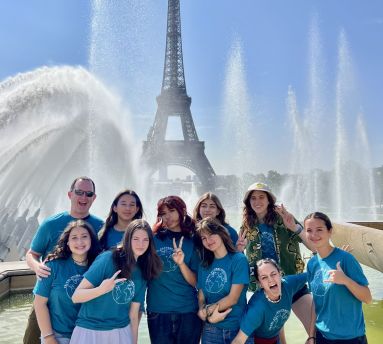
{"points": [[300, 293], [321, 340]]}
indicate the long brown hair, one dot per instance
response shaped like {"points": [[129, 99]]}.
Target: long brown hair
{"points": [[149, 263], [221, 217], [250, 218]]}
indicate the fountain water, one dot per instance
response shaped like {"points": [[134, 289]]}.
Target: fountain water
{"points": [[46, 140], [307, 188]]}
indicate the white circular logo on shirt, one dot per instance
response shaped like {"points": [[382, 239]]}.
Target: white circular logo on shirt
{"points": [[71, 284], [318, 287], [123, 292], [216, 280], [279, 319], [166, 254]]}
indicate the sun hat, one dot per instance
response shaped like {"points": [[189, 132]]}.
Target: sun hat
{"points": [[259, 187]]}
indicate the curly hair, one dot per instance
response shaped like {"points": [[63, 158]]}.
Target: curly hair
{"points": [[62, 250]]}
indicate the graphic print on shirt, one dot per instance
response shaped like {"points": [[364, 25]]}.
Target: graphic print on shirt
{"points": [[279, 319], [166, 254], [123, 292], [318, 287], [216, 280], [71, 284]]}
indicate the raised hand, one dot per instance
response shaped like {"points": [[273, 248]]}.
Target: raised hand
{"points": [[109, 283], [287, 218], [242, 241], [336, 276], [178, 255]]}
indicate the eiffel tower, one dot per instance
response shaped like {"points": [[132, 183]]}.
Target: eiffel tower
{"points": [[159, 153]]}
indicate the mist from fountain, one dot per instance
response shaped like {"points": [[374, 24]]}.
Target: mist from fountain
{"points": [[46, 140]]}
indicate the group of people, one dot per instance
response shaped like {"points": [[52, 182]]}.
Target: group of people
{"points": [[190, 274]]}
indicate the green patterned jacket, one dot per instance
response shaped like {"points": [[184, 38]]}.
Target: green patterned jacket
{"points": [[287, 248]]}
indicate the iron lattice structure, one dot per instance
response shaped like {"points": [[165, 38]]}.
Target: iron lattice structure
{"points": [[159, 153]]}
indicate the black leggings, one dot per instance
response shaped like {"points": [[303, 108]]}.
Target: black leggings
{"points": [[322, 340]]}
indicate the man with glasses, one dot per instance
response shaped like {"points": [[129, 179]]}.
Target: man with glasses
{"points": [[81, 195]]}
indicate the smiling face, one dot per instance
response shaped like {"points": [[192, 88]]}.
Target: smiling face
{"points": [[270, 280], [170, 218], [208, 208], [317, 233], [259, 202], [80, 202], [126, 208], [140, 242], [79, 242], [212, 242]]}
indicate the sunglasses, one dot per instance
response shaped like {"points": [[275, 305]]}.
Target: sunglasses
{"points": [[79, 192]]}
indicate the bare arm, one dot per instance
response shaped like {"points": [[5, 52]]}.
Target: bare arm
{"points": [[188, 274], [86, 291], [201, 305], [134, 322], [33, 260], [44, 319], [240, 338]]}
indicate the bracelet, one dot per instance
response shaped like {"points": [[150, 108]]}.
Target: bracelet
{"points": [[48, 335], [311, 338], [297, 232]]}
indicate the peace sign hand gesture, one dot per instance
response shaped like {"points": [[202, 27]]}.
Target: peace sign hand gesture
{"points": [[178, 254], [109, 283], [288, 218], [242, 241]]}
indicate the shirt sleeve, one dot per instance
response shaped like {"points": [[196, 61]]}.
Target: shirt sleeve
{"points": [[44, 285], [296, 282], [253, 317], [40, 241], [194, 261], [99, 270], [352, 269], [140, 294]]}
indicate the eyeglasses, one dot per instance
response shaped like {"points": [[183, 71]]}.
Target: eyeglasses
{"points": [[79, 192]]}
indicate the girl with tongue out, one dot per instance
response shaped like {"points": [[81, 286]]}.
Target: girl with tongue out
{"points": [[270, 306]]}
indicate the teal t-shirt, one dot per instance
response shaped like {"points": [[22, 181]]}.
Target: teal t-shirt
{"points": [[47, 235], [334, 302], [265, 319], [111, 310], [233, 233], [58, 287], [170, 292], [216, 280], [113, 238]]}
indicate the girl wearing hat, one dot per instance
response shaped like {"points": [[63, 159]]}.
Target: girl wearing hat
{"points": [[270, 306], [272, 232], [172, 297], [223, 277], [338, 285], [209, 205]]}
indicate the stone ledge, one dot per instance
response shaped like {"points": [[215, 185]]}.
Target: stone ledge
{"points": [[15, 276]]}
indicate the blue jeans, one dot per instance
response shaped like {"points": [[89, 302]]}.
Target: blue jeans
{"points": [[214, 335], [174, 328]]}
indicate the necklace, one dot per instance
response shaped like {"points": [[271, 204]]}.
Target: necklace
{"points": [[273, 301], [81, 262]]}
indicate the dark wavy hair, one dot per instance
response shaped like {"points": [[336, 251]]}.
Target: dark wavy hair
{"points": [[211, 226], [320, 216], [221, 217], [62, 250], [250, 218], [149, 263], [187, 224], [261, 262], [112, 218]]}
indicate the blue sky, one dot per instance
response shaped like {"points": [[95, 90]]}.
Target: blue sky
{"points": [[274, 40]]}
